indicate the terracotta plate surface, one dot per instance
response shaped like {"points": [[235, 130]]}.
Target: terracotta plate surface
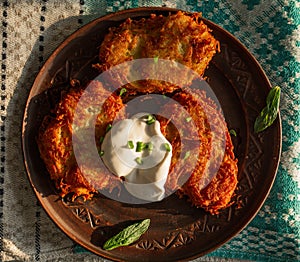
{"points": [[178, 231]]}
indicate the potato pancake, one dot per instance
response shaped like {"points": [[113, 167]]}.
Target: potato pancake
{"points": [[210, 169], [179, 37], [55, 142]]}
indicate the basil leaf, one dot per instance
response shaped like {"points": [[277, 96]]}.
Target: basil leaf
{"points": [[128, 235], [269, 113]]}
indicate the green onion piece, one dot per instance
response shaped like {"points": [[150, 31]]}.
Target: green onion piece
{"points": [[122, 91], [155, 59], [130, 144], [150, 119], [140, 146], [101, 153], [164, 96], [188, 119], [167, 147], [139, 160], [187, 154], [232, 132], [108, 127], [150, 146], [101, 139]]}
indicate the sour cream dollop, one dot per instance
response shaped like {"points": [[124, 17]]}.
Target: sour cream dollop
{"points": [[145, 172]]}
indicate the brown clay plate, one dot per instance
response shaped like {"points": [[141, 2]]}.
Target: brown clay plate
{"points": [[178, 231]]}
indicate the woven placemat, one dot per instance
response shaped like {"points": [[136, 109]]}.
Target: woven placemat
{"points": [[31, 30]]}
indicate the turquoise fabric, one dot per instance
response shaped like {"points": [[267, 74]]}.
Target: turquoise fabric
{"points": [[270, 30]]}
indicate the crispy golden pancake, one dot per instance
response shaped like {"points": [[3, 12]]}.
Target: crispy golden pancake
{"points": [[55, 141], [179, 37], [207, 160]]}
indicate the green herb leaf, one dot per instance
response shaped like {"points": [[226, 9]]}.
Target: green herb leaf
{"points": [[150, 119], [232, 132], [139, 160], [130, 144], [167, 147], [101, 153], [108, 127], [128, 235], [269, 113], [122, 91], [188, 119], [187, 154], [155, 59], [101, 139]]}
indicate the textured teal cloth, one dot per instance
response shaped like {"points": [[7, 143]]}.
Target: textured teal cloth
{"points": [[30, 32], [271, 32]]}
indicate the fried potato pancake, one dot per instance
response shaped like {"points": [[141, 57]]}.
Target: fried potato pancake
{"points": [[179, 37], [203, 157], [55, 140]]}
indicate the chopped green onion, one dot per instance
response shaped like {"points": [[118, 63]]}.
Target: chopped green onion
{"points": [[150, 146], [108, 127], [167, 147], [232, 132], [150, 119], [101, 153], [164, 96], [140, 146], [155, 59], [188, 119], [187, 154], [122, 91], [139, 160], [101, 139], [130, 144]]}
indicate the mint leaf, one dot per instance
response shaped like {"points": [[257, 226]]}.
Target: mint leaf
{"points": [[269, 113], [128, 235]]}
